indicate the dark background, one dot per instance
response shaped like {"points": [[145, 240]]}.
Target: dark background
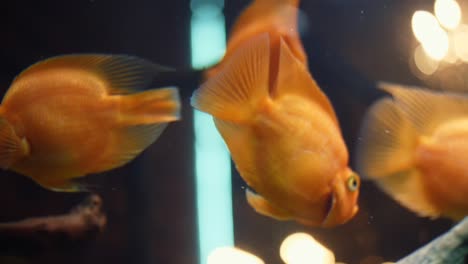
{"points": [[150, 203]]}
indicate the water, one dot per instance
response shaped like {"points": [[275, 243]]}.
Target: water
{"points": [[151, 203]]}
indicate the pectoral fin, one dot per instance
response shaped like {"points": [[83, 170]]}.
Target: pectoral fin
{"points": [[61, 185], [12, 148], [264, 207]]}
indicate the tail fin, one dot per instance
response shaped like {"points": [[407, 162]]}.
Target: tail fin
{"points": [[12, 148], [387, 141], [149, 107], [142, 119], [232, 94]]}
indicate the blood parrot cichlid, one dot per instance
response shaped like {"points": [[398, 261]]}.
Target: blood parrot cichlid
{"points": [[284, 139], [69, 116], [414, 146]]}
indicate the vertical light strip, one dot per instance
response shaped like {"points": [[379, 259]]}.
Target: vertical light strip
{"points": [[212, 161]]}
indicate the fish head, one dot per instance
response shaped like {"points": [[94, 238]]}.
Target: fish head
{"points": [[342, 201]]}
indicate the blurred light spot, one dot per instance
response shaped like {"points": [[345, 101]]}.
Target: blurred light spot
{"points": [[212, 161], [231, 255], [460, 39], [448, 13], [451, 56], [301, 248], [196, 5], [424, 25], [424, 63], [427, 31], [213, 187], [437, 45]]}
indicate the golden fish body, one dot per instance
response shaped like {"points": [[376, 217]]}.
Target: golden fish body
{"points": [[284, 140], [441, 158], [292, 161], [415, 147], [74, 117]]}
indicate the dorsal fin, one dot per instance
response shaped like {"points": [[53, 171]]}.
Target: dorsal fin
{"points": [[293, 77], [121, 73], [427, 109], [234, 93]]}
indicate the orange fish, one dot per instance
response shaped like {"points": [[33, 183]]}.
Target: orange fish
{"points": [[275, 17], [69, 116], [415, 147], [285, 140]]}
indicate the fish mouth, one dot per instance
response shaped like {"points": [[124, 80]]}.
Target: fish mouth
{"points": [[328, 210], [355, 210], [334, 216]]}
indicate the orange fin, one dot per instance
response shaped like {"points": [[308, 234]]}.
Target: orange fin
{"points": [[385, 154], [408, 189], [387, 141], [232, 94], [12, 148], [129, 142], [427, 109], [294, 78], [237, 139], [264, 207], [122, 74], [60, 184], [149, 107], [142, 119], [277, 17]]}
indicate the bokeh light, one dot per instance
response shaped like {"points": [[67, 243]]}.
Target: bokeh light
{"points": [[424, 24], [433, 38], [302, 248], [232, 255], [448, 13], [460, 39], [437, 45], [451, 56], [424, 63]]}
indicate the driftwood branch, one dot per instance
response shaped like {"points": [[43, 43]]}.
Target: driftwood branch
{"points": [[83, 222]]}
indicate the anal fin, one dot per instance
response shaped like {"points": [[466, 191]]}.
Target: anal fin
{"points": [[264, 207], [408, 189]]}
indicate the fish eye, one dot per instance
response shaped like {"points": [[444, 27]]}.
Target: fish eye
{"points": [[353, 182]]}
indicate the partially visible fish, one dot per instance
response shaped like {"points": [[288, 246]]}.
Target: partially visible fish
{"points": [[69, 116], [415, 147]]}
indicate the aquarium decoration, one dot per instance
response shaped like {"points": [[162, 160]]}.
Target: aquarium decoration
{"points": [[84, 222]]}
